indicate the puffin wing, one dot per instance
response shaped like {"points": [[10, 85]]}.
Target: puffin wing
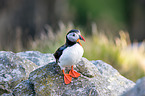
{"points": [[59, 52]]}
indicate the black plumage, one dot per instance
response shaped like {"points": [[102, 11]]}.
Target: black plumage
{"points": [[59, 51]]}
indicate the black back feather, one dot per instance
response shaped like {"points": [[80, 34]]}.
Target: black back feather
{"points": [[59, 51]]}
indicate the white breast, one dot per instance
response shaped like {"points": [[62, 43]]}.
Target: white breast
{"points": [[70, 56]]}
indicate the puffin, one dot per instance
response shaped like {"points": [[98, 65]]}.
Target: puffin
{"points": [[70, 54]]}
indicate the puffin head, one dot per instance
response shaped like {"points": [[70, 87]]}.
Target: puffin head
{"points": [[74, 36]]}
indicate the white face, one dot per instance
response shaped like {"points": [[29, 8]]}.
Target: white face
{"points": [[73, 37]]}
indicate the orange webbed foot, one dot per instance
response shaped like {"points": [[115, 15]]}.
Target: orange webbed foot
{"points": [[73, 73], [67, 78]]}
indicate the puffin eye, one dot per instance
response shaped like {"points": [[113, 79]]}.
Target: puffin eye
{"points": [[73, 34]]}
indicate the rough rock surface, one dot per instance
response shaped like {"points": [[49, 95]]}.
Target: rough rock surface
{"points": [[13, 70], [138, 90], [27, 89], [97, 79], [114, 83], [37, 57]]}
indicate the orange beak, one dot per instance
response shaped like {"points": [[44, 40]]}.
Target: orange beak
{"points": [[81, 37]]}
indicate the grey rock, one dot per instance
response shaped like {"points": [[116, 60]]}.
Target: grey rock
{"points": [[10, 94], [27, 89], [112, 80], [97, 79], [13, 70], [18, 77], [138, 90], [37, 57]]}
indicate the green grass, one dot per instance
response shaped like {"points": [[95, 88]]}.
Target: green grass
{"points": [[129, 61]]}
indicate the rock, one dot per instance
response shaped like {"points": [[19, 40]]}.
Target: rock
{"points": [[97, 79], [10, 94], [27, 89], [18, 77], [138, 90], [37, 57], [13, 70], [111, 79]]}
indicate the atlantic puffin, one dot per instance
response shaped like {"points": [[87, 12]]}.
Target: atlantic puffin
{"points": [[70, 54]]}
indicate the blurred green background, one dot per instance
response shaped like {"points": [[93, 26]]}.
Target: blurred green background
{"points": [[114, 30]]}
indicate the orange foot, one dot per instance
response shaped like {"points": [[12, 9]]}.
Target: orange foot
{"points": [[67, 78], [73, 73]]}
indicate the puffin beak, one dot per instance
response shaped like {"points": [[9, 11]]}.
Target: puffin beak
{"points": [[81, 37]]}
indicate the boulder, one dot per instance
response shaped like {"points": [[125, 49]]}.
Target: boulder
{"points": [[138, 89], [37, 57], [13, 70], [97, 79], [32, 73]]}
